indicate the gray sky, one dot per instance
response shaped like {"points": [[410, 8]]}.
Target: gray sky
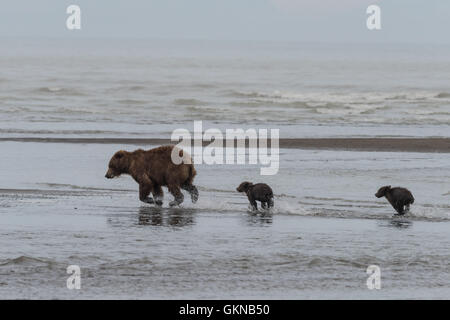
{"points": [[417, 21]]}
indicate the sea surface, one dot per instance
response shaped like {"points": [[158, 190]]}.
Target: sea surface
{"points": [[327, 227], [115, 88]]}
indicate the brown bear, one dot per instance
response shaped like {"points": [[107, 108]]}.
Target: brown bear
{"points": [[260, 191], [152, 169], [399, 198]]}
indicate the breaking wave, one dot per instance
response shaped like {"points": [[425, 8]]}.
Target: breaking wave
{"points": [[26, 261], [59, 91]]}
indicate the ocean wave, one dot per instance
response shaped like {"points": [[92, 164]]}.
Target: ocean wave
{"points": [[59, 91], [398, 97], [346, 106], [189, 102], [337, 97], [131, 101], [363, 261], [258, 103], [238, 106], [125, 88], [257, 94], [330, 261], [26, 260], [203, 85]]}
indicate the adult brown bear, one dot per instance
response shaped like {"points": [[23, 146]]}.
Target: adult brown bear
{"points": [[154, 168]]}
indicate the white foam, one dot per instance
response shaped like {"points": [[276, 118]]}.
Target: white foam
{"points": [[432, 213]]}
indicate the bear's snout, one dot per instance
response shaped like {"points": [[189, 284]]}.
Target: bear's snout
{"points": [[109, 174]]}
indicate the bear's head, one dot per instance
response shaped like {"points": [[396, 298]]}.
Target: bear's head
{"points": [[244, 186], [118, 164], [382, 191]]}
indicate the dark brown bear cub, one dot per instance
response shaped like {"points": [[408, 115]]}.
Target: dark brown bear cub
{"points": [[153, 169], [399, 198], [257, 192]]}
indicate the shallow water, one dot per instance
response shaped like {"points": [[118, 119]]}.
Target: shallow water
{"points": [[145, 252], [325, 230]]}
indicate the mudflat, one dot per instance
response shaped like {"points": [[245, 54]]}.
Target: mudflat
{"points": [[355, 144]]}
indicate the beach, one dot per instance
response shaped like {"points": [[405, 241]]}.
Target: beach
{"points": [[344, 133]]}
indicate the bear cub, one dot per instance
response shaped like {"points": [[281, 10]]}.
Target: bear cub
{"points": [[399, 198], [257, 192]]}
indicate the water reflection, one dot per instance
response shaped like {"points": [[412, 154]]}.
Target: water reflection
{"points": [[157, 216], [259, 218], [396, 222]]}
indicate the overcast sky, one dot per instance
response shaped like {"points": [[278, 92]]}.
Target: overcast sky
{"points": [[417, 21]]}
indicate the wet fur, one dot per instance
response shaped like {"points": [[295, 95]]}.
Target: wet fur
{"points": [[257, 192], [153, 169], [399, 198]]}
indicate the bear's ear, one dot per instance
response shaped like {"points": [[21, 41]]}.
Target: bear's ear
{"points": [[388, 187]]}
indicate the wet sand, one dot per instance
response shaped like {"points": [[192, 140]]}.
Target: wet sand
{"points": [[441, 145]]}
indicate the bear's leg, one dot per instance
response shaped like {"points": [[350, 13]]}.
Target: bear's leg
{"points": [[270, 203], [399, 208], [264, 205], [252, 201], [192, 191], [176, 192], [158, 195], [144, 191], [407, 207]]}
